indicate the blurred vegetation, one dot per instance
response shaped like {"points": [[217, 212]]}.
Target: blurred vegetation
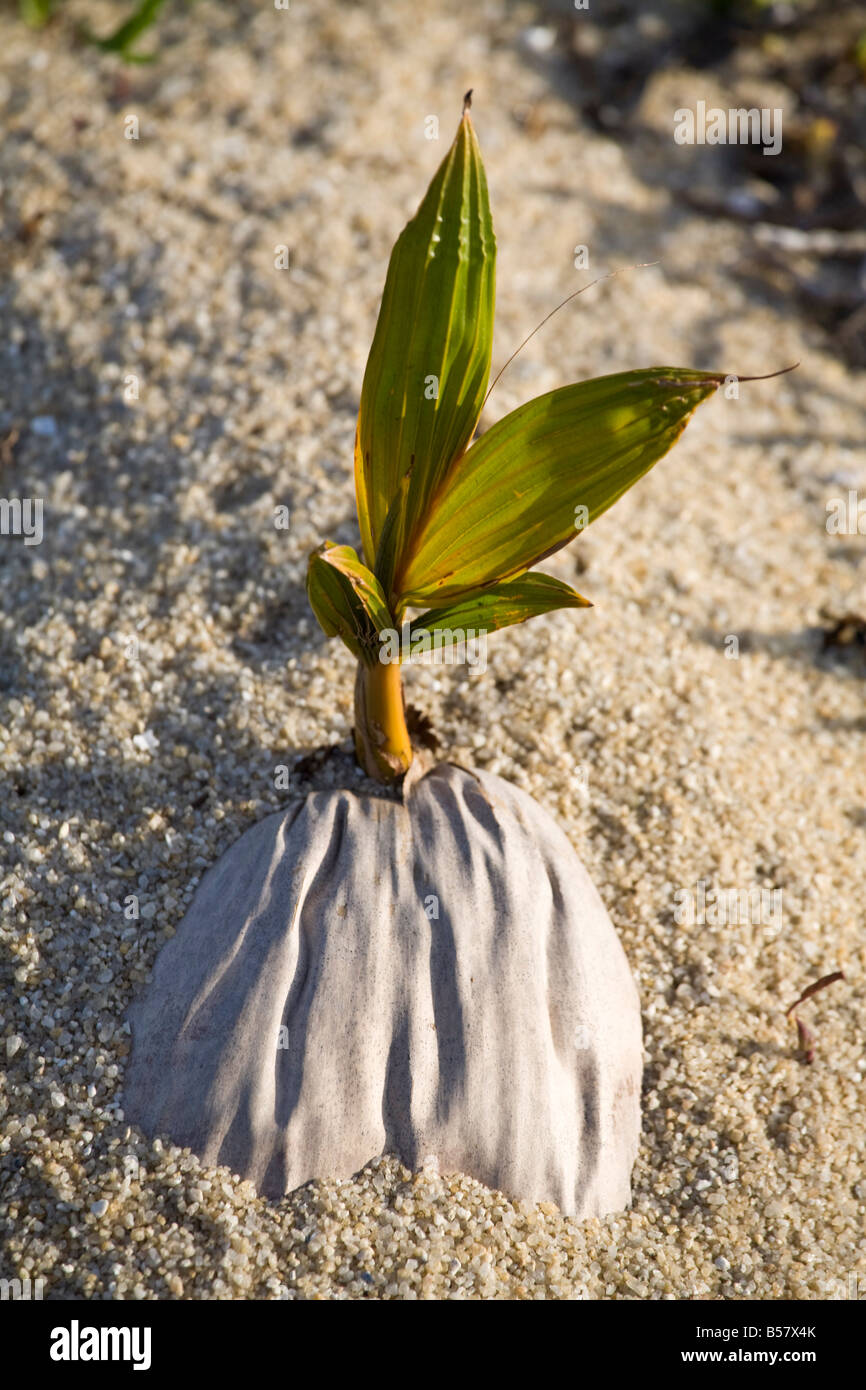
{"points": [[138, 18], [807, 205]]}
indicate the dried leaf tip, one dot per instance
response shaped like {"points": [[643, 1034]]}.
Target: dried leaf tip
{"points": [[805, 1036], [467, 101], [768, 376]]}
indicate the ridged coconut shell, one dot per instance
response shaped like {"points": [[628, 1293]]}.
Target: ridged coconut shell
{"points": [[432, 977]]}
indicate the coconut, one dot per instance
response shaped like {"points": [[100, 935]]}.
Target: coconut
{"points": [[433, 976]]}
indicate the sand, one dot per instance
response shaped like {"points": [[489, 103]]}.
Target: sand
{"points": [[158, 662]]}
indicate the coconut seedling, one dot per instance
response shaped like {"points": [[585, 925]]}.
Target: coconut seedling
{"points": [[451, 526], [428, 973]]}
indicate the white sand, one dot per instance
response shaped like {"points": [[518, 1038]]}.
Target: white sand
{"points": [[130, 776]]}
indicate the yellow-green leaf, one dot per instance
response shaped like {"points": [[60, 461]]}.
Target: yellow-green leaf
{"points": [[502, 605], [428, 366], [347, 599], [537, 477]]}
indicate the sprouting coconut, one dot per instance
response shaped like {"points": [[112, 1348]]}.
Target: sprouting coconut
{"points": [[432, 973]]}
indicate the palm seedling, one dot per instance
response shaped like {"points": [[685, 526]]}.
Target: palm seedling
{"points": [[447, 525], [432, 974]]}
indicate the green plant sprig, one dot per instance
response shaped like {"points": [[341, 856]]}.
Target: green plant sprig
{"points": [[455, 527], [122, 41]]}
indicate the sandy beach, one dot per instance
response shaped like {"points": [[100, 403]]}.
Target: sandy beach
{"points": [[164, 387]]}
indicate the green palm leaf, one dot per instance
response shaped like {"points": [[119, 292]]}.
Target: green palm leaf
{"points": [[512, 498], [501, 606], [347, 599], [429, 363]]}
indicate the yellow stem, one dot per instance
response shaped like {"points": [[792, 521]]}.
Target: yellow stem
{"points": [[382, 743]]}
